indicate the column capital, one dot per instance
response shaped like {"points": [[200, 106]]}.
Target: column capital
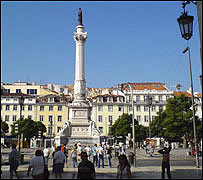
{"points": [[80, 37]]}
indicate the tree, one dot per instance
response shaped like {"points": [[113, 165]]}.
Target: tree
{"points": [[4, 126], [176, 120], [29, 128], [122, 127]]}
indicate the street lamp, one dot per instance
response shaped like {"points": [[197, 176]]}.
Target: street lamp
{"points": [[186, 24], [133, 119], [193, 109], [21, 102], [149, 103]]}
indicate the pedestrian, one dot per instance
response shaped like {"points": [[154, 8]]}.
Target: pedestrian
{"points": [[165, 162], [94, 153], [105, 148], [79, 150], [88, 151], [37, 164], [85, 168], [123, 169], [74, 157], [100, 154], [59, 160], [13, 160], [109, 155], [46, 153], [64, 149]]}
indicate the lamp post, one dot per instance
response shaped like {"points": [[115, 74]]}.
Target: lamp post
{"points": [[193, 108], [149, 103], [133, 119], [186, 26], [21, 102]]}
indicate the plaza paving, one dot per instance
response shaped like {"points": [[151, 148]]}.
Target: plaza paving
{"points": [[182, 167]]}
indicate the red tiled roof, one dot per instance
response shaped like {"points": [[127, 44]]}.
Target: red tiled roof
{"points": [[178, 93]]}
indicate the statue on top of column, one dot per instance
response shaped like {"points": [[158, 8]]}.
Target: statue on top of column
{"points": [[80, 16]]}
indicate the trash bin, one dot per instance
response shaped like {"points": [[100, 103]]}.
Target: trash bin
{"points": [[131, 158], [21, 158]]}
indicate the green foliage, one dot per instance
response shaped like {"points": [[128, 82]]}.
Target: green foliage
{"points": [[122, 127], [176, 121], [4, 126], [29, 128]]}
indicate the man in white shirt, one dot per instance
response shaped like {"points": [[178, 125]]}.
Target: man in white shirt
{"points": [[46, 153], [59, 160], [100, 155]]}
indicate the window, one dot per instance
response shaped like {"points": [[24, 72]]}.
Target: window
{"points": [[130, 108], [14, 107], [31, 91], [50, 108], [41, 108], [7, 90], [51, 99], [50, 120], [120, 99], [100, 99], [167, 97], [138, 118], [138, 108], [59, 118], [14, 118], [49, 130], [146, 118], [160, 98], [120, 108], [110, 120], [30, 99], [145, 98], [59, 108], [41, 118], [100, 108], [153, 108], [101, 129], [7, 99], [29, 107], [15, 99], [160, 108], [29, 116], [138, 98], [111, 99], [7, 107], [18, 90], [6, 117], [23, 107], [110, 108], [145, 108], [58, 129], [100, 118]]}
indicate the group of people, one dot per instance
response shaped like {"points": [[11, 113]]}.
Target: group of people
{"points": [[98, 154], [86, 168]]}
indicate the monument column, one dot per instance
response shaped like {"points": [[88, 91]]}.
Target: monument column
{"points": [[80, 84]]}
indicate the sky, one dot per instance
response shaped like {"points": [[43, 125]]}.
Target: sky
{"points": [[128, 41]]}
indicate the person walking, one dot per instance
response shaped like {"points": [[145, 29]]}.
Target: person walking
{"points": [[64, 149], [37, 164], [74, 157], [13, 160], [79, 150], [123, 169], [94, 153], [46, 153], [165, 161], [59, 160], [85, 168], [88, 151], [109, 155], [100, 155]]}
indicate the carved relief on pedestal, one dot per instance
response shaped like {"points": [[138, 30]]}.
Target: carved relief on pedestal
{"points": [[80, 37], [79, 90]]}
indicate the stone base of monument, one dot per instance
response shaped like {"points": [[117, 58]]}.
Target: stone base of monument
{"points": [[71, 141]]}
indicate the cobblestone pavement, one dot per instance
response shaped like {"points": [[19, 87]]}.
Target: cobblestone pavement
{"points": [[147, 167]]}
